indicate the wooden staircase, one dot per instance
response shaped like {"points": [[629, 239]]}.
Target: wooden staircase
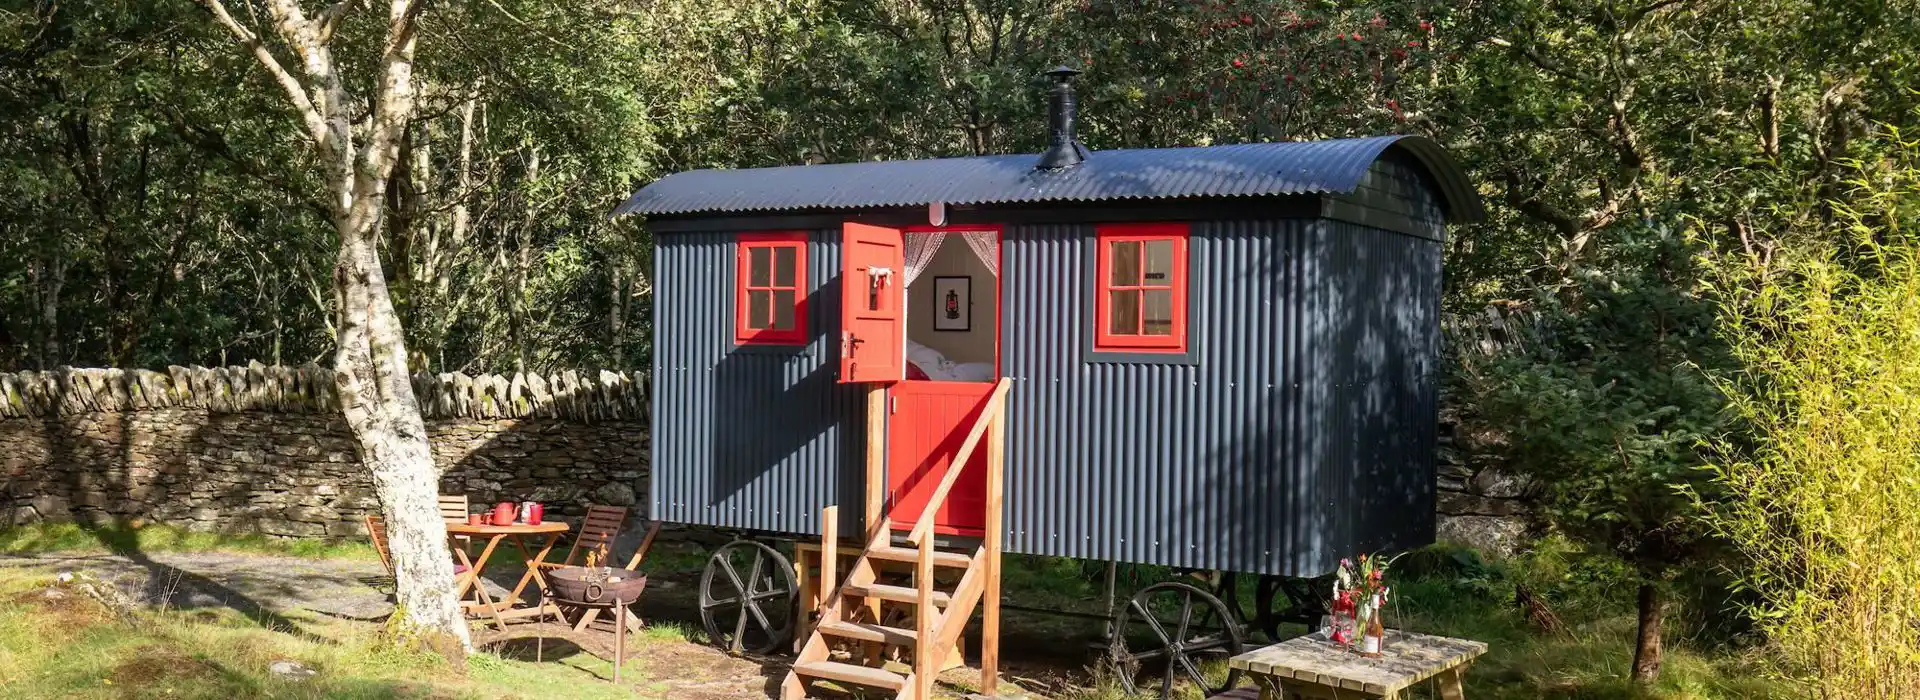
{"points": [[855, 633]]}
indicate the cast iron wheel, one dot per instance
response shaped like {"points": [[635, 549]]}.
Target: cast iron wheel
{"points": [[1301, 605], [747, 597], [1189, 631]]}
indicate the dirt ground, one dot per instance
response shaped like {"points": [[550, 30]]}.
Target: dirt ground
{"points": [[1040, 657]]}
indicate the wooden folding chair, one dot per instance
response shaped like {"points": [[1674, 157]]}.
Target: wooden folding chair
{"points": [[639, 555], [595, 537], [455, 509], [377, 533]]}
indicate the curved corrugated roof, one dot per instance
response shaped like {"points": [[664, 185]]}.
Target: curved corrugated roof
{"points": [[1254, 169]]}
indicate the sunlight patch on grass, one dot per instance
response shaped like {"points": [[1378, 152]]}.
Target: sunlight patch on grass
{"points": [[45, 538], [72, 648]]}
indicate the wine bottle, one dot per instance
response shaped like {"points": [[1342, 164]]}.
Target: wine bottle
{"points": [[1376, 634]]}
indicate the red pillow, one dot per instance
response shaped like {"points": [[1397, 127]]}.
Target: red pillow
{"points": [[913, 372]]}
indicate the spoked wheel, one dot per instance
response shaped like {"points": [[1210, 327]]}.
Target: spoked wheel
{"points": [[1283, 599], [747, 597], [1180, 630]]}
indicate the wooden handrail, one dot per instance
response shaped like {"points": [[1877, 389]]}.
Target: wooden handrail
{"points": [[989, 414]]}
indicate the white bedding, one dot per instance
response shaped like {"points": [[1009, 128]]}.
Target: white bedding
{"points": [[936, 365]]}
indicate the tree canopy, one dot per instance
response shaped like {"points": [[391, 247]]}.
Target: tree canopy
{"points": [[161, 216]]}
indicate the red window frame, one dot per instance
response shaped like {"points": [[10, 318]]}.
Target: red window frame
{"points": [[1104, 338], [744, 246]]}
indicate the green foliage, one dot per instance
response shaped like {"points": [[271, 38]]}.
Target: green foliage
{"points": [[1573, 116], [1820, 492], [1605, 410], [72, 538]]}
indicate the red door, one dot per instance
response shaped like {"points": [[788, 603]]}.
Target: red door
{"points": [[873, 264], [930, 420]]}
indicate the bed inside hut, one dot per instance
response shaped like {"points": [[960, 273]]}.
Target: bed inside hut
{"points": [[953, 305]]}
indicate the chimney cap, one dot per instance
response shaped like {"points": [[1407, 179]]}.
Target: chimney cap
{"points": [[1061, 74]]}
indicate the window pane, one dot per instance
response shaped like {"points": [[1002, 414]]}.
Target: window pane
{"points": [[1125, 267], [759, 309], [783, 307], [759, 266], [783, 257], [1159, 263], [1158, 312], [1124, 313]]}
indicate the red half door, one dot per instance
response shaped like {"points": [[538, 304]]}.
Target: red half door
{"points": [[873, 264], [924, 435]]}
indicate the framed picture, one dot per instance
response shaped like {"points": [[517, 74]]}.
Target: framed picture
{"points": [[953, 303]]}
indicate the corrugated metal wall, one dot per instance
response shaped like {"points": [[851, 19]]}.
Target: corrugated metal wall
{"points": [[756, 438], [1302, 431]]}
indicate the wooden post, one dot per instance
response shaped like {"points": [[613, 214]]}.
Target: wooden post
{"points": [[829, 560], [876, 461], [996, 485], [925, 646], [809, 592]]}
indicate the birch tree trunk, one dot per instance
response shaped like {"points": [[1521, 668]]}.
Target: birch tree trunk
{"points": [[370, 366], [617, 311], [50, 275]]}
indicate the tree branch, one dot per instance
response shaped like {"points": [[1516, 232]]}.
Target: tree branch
{"points": [[394, 105], [1633, 17], [330, 17], [1533, 206], [302, 102]]}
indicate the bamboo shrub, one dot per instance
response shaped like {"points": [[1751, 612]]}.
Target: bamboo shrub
{"points": [[1824, 491]]}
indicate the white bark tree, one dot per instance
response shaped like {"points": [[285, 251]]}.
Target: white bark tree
{"points": [[371, 363]]}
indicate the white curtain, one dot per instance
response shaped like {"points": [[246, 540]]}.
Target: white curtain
{"points": [[921, 245], [986, 247]]}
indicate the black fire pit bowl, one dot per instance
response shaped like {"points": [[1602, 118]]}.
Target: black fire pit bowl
{"points": [[595, 586]]}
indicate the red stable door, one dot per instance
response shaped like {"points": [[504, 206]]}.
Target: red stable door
{"points": [[873, 300], [930, 420]]}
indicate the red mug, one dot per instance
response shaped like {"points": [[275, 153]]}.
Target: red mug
{"points": [[503, 513], [535, 512], [476, 519]]}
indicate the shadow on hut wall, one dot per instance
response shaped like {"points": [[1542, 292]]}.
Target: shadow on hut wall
{"points": [[783, 435], [1331, 455]]}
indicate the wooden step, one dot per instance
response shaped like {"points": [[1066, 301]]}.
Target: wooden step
{"points": [[868, 632], [898, 594], [849, 673], [949, 559]]}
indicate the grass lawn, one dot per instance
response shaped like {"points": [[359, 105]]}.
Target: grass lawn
{"points": [[69, 538], [72, 648], [1472, 600]]}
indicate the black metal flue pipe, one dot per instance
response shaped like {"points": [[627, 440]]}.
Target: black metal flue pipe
{"points": [[1063, 145]]}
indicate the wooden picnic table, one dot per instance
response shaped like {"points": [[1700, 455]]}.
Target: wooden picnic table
{"points": [[1312, 668], [509, 608]]}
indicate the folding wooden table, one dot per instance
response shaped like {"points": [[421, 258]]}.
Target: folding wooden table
{"points": [[1311, 668], [506, 609]]}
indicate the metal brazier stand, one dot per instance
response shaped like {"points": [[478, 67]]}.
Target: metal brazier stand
{"points": [[598, 587]]}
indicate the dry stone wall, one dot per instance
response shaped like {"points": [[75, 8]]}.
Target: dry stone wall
{"points": [[1479, 504], [262, 449]]}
